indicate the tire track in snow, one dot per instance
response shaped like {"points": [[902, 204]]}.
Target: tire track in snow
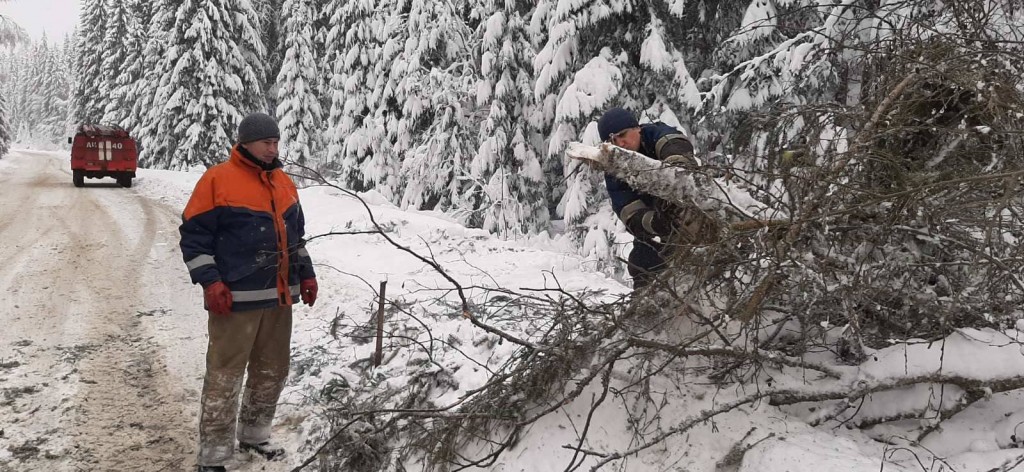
{"points": [[102, 378], [12, 209]]}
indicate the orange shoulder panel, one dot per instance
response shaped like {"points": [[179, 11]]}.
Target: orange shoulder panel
{"points": [[202, 199], [285, 193], [239, 186], [237, 183]]}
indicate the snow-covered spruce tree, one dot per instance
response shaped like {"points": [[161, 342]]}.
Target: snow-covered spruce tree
{"points": [[11, 80], [129, 91], [122, 65], [67, 66], [53, 95], [374, 143], [33, 96], [89, 101], [211, 76], [354, 45], [158, 18], [400, 101], [326, 55], [506, 182], [271, 20], [22, 90], [10, 33], [298, 110], [780, 56], [37, 93], [64, 67], [433, 129], [420, 88], [11, 71], [5, 130]]}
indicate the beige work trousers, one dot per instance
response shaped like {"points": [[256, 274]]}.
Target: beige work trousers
{"points": [[256, 343]]}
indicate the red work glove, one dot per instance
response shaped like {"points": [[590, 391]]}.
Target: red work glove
{"points": [[307, 288], [218, 298]]}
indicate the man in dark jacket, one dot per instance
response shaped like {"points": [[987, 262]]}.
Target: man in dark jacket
{"points": [[651, 220], [241, 239]]}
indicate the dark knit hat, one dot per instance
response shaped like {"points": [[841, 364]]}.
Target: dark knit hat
{"points": [[257, 126], [615, 120]]}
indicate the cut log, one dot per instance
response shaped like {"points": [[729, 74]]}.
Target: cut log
{"points": [[677, 184]]}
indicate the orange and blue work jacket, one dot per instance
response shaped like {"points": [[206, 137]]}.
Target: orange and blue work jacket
{"points": [[243, 226]]}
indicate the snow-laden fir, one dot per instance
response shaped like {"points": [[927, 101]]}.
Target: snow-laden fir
{"points": [[881, 139]]}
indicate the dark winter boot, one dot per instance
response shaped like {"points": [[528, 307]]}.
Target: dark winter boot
{"points": [[212, 468], [269, 451]]}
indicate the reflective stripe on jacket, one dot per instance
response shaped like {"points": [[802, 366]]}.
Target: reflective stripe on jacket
{"points": [[243, 226]]}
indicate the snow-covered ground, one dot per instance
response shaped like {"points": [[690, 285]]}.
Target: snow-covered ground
{"points": [[103, 340]]}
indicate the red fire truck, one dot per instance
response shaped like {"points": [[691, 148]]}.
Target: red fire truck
{"points": [[103, 151]]}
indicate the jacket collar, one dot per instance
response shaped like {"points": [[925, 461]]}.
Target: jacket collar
{"points": [[648, 134], [243, 157]]}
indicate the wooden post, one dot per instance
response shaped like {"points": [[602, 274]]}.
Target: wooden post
{"points": [[378, 355]]}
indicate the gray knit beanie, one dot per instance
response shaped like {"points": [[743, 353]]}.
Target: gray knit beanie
{"points": [[257, 126]]}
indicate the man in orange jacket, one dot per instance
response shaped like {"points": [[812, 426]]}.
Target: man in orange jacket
{"points": [[241, 238]]}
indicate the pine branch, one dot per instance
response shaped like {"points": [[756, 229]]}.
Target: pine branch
{"points": [[752, 354], [852, 391], [838, 391]]}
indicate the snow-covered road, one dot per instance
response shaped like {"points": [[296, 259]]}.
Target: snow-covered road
{"points": [[90, 278]]}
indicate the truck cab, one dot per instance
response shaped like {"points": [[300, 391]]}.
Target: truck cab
{"points": [[99, 151]]}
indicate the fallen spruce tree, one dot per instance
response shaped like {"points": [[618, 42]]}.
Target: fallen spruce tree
{"points": [[870, 253], [797, 308]]}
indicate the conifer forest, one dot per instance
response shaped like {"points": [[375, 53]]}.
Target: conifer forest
{"points": [[879, 141], [466, 106]]}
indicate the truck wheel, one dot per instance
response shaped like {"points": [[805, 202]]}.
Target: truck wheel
{"points": [[78, 178], [125, 182]]}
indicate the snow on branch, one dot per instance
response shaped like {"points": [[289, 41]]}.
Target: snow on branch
{"points": [[592, 87], [666, 181]]}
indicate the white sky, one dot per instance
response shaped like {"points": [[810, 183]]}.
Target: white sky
{"points": [[55, 17]]}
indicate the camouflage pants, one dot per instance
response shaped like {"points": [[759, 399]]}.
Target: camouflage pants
{"points": [[249, 342]]}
